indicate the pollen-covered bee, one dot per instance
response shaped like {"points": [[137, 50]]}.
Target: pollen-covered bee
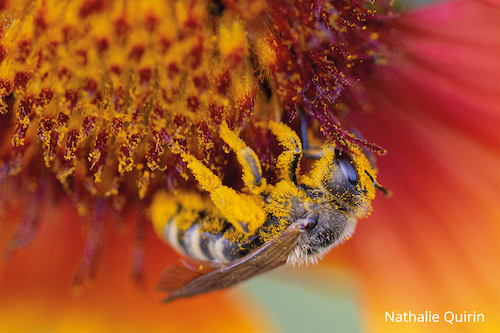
{"points": [[235, 236]]}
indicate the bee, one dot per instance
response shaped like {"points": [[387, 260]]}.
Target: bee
{"points": [[237, 235]]}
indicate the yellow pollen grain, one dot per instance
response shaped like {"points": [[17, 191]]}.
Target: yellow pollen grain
{"points": [[212, 225], [235, 236]]}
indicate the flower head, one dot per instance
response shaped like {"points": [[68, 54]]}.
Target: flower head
{"points": [[102, 91], [95, 94]]}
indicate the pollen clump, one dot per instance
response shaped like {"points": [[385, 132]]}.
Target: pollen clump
{"points": [[184, 206], [244, 212], [285, 194]]}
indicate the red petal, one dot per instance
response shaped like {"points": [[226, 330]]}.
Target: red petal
{"points": [[434, 246], [36, 285]]}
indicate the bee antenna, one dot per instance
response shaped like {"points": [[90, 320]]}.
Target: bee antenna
{"points": [[379, 187], [386, 192]]}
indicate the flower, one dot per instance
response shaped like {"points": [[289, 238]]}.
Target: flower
{"points": [[97, 86]]}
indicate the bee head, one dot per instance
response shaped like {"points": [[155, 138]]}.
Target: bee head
{"points": [[347, 178]]}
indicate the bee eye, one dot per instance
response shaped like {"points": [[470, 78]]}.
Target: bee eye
{"points": [[347, 168]]}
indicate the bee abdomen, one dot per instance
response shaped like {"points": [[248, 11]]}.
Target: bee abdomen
{"points": [[206, 246]]}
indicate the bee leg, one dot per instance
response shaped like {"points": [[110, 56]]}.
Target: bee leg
{"points": [[252, 171], [289, 159], [310, 151], [242, 211]]}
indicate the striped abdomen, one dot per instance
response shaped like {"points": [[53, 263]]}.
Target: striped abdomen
{"points": [[203, 245]]}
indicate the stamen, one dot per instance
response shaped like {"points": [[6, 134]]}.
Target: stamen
{"points": [[26, 232], [90, 259]]}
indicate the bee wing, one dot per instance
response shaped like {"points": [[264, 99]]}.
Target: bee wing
{"points": [[174, 277], [269, 255]]}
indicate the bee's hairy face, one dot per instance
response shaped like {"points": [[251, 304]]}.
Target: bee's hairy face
{"points": [[345, 178], [339, 194]]}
